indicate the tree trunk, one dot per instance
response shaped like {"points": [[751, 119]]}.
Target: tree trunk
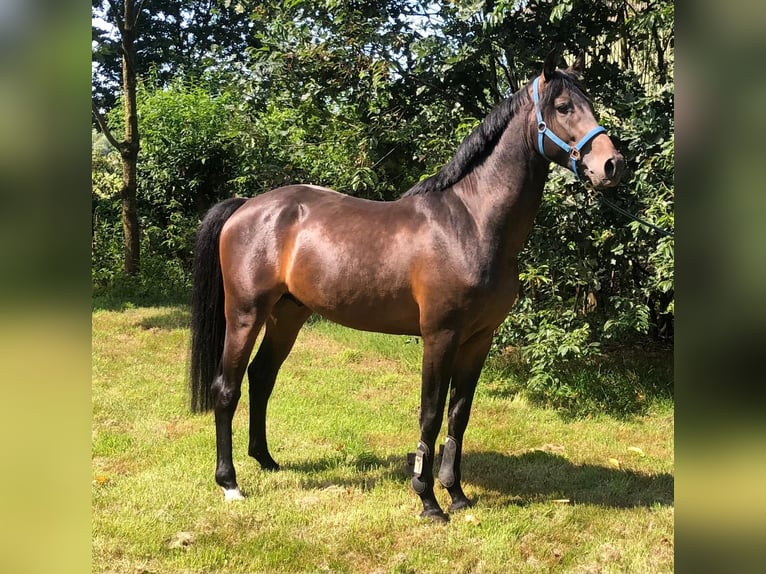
{"points": [[129, 149], [130, 228]]}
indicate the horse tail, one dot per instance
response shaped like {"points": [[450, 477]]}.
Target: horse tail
{"points": [[208, 322]]}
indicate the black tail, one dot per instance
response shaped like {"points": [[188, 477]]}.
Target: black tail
{"points": [[208, 323]]}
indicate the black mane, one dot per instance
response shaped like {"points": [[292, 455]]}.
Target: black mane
{"points": [[481, 141]]}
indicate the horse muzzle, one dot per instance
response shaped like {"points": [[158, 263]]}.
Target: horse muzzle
{"points": [[606, 173], [614, 169]]}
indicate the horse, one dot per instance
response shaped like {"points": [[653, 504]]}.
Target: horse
{"points": [[439, 262]]}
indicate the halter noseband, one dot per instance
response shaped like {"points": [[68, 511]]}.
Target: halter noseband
{"points": [[543, 130]]}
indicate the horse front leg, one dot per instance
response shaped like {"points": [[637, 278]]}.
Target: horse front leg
{"points": [[468, 364], [438, 355]]}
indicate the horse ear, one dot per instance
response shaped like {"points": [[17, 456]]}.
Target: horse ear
{"points": [[549, 67], [578, 66]]}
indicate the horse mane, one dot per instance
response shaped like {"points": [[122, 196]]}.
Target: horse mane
{"points": [[477, 145]]}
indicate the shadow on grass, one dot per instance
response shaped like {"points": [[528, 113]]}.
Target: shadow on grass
{"points": [[171, 314], [516, 480], [132, 292], [168, 319], [539, 476], [361, 471]]}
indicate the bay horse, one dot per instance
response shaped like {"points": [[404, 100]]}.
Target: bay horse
{"points": [[440, 262]]}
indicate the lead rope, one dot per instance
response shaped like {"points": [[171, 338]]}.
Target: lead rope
{"points": [[629, 215]]}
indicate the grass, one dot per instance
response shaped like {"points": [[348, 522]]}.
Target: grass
{"points": [[555, 493]]}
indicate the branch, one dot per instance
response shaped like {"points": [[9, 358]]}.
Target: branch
{"points": [[117, 17], [406, 74], [511, 66], [507, 73], [104, 127], [139, 8]]}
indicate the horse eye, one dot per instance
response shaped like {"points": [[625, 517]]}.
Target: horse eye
{"points": [[563, 108]]}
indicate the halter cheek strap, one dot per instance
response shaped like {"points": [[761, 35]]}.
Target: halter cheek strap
{"points": [[544, 131]]}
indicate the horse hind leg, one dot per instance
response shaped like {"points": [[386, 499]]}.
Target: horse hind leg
{"points": [[242, 327], [282, 327]]}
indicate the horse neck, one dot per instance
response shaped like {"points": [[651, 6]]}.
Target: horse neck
{"points": [[503, 193]]}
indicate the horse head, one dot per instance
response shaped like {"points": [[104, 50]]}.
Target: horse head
{"points": [[567, 131]]}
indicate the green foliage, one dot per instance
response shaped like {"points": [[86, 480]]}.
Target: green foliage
{"points": [[567, 342], [173, 39], [195, 150], [160, 278], [552, 342], [106, 228], [309, 144], [551, 355]]}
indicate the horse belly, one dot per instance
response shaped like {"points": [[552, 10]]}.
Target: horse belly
{"points": [[355, 292], [364, 311], [383, 319]]}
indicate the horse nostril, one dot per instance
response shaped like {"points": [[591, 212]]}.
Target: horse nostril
{"points": [[614, 167]]}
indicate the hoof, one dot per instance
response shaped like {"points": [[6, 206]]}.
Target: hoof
{"points": [[436, 515], [230, 494], [270, 466], [461, 505], [266, 462]]}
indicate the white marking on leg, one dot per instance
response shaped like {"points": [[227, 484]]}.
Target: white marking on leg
{"points": [[233, 494]]}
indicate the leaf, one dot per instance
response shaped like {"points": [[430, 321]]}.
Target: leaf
{"points": [[615, 463], [636, 450], [472, 519]]}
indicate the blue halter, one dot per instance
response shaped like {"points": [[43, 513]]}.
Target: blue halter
{"points": [[543, 130]]}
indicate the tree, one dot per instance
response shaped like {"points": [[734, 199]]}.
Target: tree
{"points": [[126, 22], [176, 38]]}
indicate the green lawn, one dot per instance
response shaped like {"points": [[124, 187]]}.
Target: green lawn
{"points": [[555, 494]]}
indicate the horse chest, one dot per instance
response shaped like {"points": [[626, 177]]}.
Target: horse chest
{"points": [[492, 295]]}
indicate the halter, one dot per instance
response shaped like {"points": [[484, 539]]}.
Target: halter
{"points": [[543, 130]]}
